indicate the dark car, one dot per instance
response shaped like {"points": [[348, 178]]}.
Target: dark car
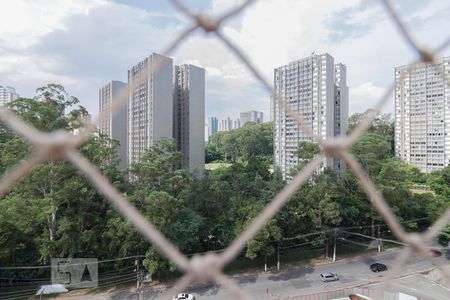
{"points": [[377, 267], [435, 253]]}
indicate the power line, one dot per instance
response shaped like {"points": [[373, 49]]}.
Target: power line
{"points": [[49, 266]]}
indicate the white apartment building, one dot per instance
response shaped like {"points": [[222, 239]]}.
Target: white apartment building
{"points": [[150, 105], [422, 115], [316, 89], [251, 116], [227, 125], [7, 94], [114, 125], [189, 113]]}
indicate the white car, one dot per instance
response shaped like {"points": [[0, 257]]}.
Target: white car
{"points": [[184, 296], [328, 277]]}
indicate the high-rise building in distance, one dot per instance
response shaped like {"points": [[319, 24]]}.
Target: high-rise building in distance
{"points": [[213, 125], [251, 116], [114, 125], [7, 94], [150, 105], [189, 116], [316, 89], [422, 115], [228, 124]]}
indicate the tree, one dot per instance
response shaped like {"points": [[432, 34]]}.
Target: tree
{"points": [[444, 236], [371, 149], [160, 169], [383, 125], [158, 191], [54, 206], [264, 242], [306, 151], [251, 140], [46, 111]]}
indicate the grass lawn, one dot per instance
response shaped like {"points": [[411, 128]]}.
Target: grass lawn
{"points": [[216, 165]]}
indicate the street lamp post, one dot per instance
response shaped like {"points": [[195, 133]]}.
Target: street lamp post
{"points": [[379, 240], [334, 248]]}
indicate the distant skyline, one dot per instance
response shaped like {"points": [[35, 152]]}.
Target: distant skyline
{"points": [[83, 44]]}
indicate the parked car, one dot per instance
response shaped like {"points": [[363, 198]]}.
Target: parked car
{"points": [[184, 296], [326, 277], [378, 267], [147, 278]]}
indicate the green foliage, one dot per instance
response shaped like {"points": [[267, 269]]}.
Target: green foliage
{"points": [[55, 212], [159, 170], [306, 151], [383, 125], [444, 236], [46, 111], [371, 149], [263, 244], [243, 143]]}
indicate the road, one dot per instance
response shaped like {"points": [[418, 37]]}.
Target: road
{"points": [[305, 280]]}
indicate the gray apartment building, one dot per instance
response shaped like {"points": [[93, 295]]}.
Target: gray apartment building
{"points": [[150, 105], [251, 116], [340, 109], [189, 116], [114, 125], [316, 89], [422, 115]]}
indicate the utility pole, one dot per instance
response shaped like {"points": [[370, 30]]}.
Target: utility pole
{"points": [[265, 263], [136, 269], [139, 280], [141, 285], [379, 240], [335, 240], [278, 256]]}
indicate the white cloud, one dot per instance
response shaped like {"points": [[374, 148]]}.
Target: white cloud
{"points": [[364, 95], [85, 43], [85, 47], [24, 22]]}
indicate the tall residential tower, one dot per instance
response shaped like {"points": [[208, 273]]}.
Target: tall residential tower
{"points": [[422, 115], [114, 125], [150, 104], [316, 89], [189, 115]]}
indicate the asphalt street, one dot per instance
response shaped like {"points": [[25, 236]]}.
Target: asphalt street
{"points": [[306, 280]]}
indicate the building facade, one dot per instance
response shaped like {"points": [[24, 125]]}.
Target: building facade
{"points": [[340, 106], [229, 124], [213, 126], [114, 125], [316, 89], [150, 105], [7, 94], [422, 115], [251, 116], [189, 115]]}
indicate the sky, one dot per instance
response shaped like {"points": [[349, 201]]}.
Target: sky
{"points": [[83, 44]]}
